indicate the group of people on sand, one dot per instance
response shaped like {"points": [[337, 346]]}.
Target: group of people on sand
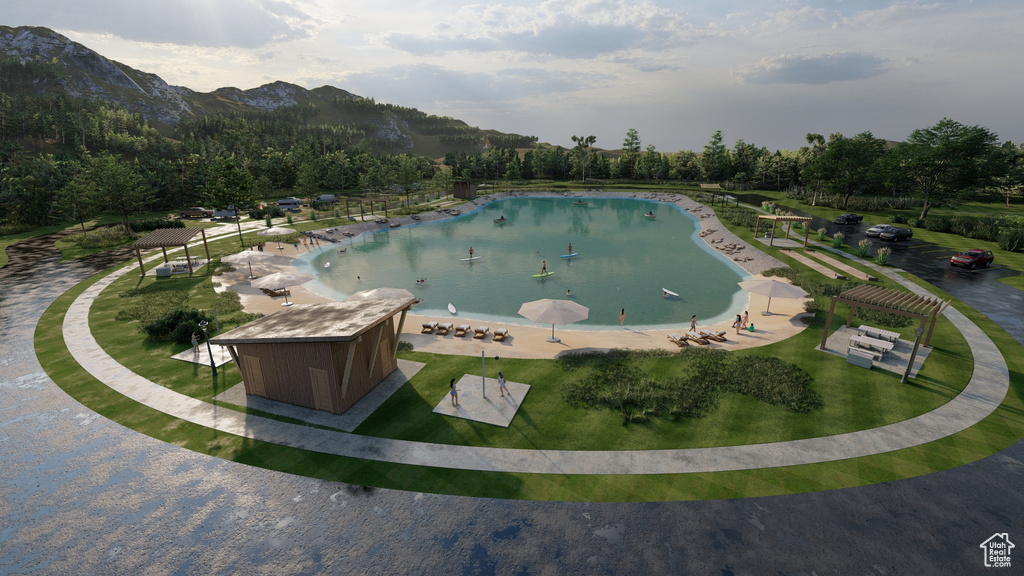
{"points": [[741, 322]]}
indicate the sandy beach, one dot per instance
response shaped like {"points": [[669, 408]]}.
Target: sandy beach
{"points": [[530, 340]]}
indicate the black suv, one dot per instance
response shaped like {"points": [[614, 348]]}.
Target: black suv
{"points": [[847, 219], [897, 234]]}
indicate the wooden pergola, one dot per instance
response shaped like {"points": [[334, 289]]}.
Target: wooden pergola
{"points": [[926, 308], [789, 226], [169, 237]]}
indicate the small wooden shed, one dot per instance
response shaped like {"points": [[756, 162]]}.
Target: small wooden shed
{"points": [[464, 190], [322, 356]]}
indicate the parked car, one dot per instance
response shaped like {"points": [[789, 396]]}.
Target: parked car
{"points": [[289, 203], [876, 230], [196, 212], [846, 219], [972, 258], [897, 234]]}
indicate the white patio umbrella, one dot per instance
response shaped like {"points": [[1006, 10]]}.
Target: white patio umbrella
{"points": [[553, 312], [772, 289], [282, 280], [381, 294], [276, 231], [248, 257]]}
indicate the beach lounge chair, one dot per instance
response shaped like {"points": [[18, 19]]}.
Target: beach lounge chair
{"points": [[428, 327], [462, 329], [443, 329], [276, 293], [500, 334], [481, 331], [678, 340], [716, 336], [698, 338]]}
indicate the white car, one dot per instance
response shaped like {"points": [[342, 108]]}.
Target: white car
{"points": [[876, 230]]}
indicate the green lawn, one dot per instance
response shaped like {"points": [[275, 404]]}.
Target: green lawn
{"points": [[853, 399]]}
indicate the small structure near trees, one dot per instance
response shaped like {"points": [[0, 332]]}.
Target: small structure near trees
{"points": [[169, 237], [321, 356], [924, 308], [464, 190], [806, 220]]}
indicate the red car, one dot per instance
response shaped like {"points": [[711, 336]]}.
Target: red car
{"points": [[972, 258]]}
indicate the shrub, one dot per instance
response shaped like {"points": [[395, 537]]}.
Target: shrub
{"points": [[837, 239], [774, 382], [898, 219], [738, 216], [936, 223], [882, 256], [155, 224], [262, 213], [1011, 239], [105, 237], [876, 317], [146, 306], [268, 222], [864, 248], [289, 218], [177, 325], [915, 222], [312, 215], [11, 229], [404, 346], [822, 233]]}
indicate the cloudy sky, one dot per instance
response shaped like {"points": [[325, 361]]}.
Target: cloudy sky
{"points": [[764, 71]]}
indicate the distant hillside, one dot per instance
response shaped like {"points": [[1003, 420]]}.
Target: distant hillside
{"points": [[62, 65]]}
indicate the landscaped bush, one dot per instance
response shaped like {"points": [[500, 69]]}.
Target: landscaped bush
{"points": [[883, 318], [837, 239], [882, 256], [105, 237], [155, 224], [935, 223], [176, 326], [822, 233], [864, 248], [622, 385], [738, 216], [773, 381], [146, 306], [262, 213], [898, 219], [11, 229], [1011, 239]]}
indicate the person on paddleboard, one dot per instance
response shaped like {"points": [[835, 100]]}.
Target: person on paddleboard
{"points": [[544, 267]]}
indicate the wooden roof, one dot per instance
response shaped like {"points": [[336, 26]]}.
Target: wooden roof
{"points": [[327, 322], [906, 303], [167, 237], [785, 218]]}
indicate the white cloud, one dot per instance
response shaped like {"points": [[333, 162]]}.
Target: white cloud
{"points": [[220, 23], [821, 69], [573, 29]]}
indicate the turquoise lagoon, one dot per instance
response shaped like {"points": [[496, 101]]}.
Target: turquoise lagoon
{"points": [[625, 260]]}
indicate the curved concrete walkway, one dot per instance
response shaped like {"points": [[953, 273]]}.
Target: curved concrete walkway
{"points": [[988, 385]]}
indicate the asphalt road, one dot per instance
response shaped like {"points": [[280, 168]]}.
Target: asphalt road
{"points": [[82, 495]]}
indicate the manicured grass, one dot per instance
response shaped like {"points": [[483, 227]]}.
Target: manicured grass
{"points": [[545, 419], [874, 401], [1001, 429]]}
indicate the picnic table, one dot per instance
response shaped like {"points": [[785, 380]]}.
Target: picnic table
{"points": [[870, 343], [888, 335]]}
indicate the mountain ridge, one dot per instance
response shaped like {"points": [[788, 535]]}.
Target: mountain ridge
{"points": [[83, 72]]}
